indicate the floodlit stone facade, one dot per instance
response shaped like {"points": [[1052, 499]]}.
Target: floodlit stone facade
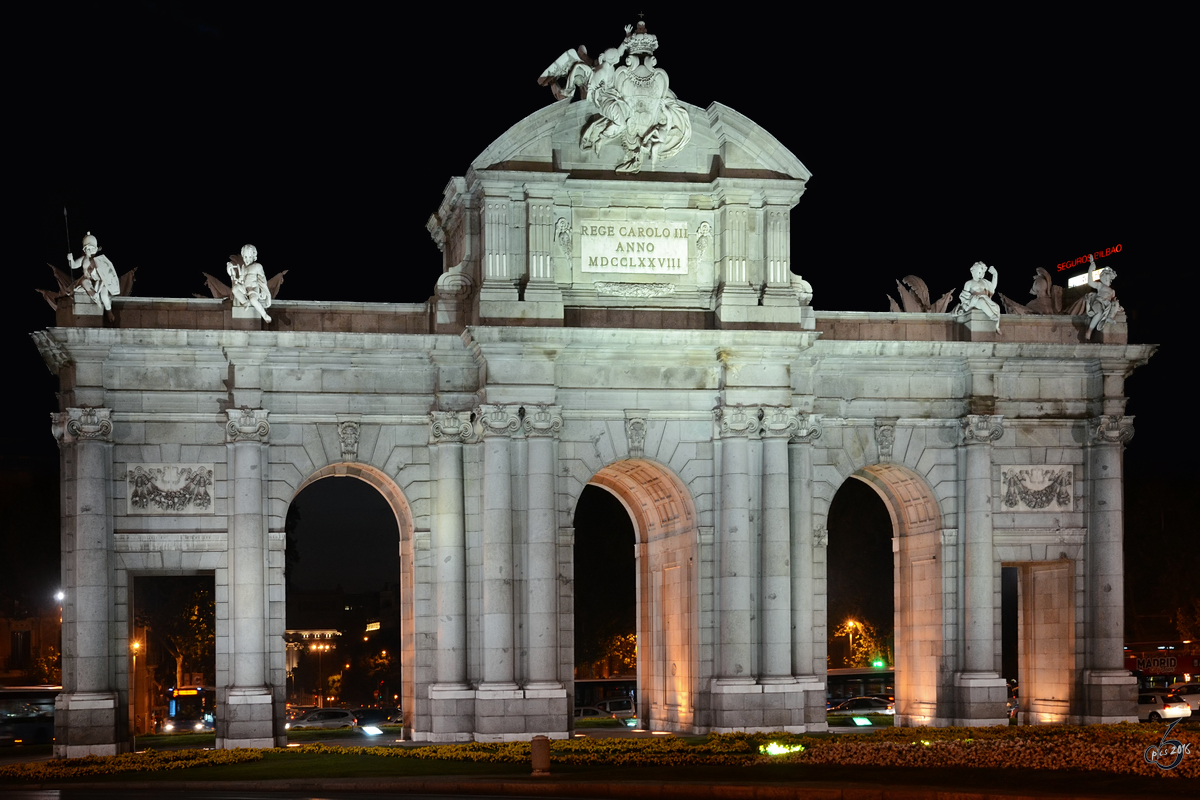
{"points": [[644, 333]]}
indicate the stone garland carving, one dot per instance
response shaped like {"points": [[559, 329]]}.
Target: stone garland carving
{"points": [[497, 420], [1111, 429], [543, 420], [170, 489], [617, 289], [348, 433], [739, 420], [562, 236], [247, 424], [982, 427], [83, 424], [1037, 488], [703, 239], [449, 427], [885, 436], [635, 435]]}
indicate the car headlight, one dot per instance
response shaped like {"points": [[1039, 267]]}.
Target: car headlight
{"points": [[287, 727], [199, 726], [170, 726]]}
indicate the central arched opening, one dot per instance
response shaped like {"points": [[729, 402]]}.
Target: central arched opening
{"points": [[916, 547], [344, 593], [662, 516]]}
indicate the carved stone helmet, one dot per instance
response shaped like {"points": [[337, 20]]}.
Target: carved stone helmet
{"points": [[249, 254], [90, 241]]}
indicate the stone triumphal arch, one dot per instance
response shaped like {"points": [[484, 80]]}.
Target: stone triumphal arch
{"points": [[617, 306]]}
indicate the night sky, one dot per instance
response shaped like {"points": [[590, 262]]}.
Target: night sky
{"points": [[176, 132]]}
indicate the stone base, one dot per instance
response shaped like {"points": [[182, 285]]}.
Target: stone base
{"points": [[512, 312], [496, 714], [979, 328], [981, 699], [1109, 696], [86, 306], [246, 718], [792, 707], [85, 724], [738, 307]]}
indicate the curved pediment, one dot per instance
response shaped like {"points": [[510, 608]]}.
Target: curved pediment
{"points": [[722, 142]]}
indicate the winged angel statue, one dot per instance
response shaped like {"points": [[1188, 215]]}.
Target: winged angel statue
{"points": [[635, 105]]}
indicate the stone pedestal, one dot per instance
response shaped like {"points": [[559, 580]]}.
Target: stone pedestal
{"points": [[980, 699]]}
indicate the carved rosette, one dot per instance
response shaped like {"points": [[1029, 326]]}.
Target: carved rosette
{"points": [[348, 433], [779, 422], [635, 435], [247, 425], [979, 428], [885, 436], [82, 425], [543, 420], [739, 420], [497, 420], [451, 427], [1111, 429]]}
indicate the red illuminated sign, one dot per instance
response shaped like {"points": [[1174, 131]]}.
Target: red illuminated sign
{"points": [[1084, 259]]}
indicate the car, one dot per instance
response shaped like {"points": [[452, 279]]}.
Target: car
{"points": [[863, 705], [296, 712], [378, 716], [618, 707], [591, 712], [1189, 692], [1157, 706], [324, 718]]}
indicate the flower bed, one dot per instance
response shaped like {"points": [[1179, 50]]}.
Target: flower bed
{"points": [[1100, 748], [148, 761]]}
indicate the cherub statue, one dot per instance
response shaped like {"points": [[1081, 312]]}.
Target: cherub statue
{"points": [[99, 276], [249, 281], [977, 293], [1101, 305]]}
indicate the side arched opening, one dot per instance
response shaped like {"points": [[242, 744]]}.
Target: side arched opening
{"points": [[664, 522]]}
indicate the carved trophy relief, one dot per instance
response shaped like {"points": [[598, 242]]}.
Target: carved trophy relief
{"points": [[169, 489], [1037, 488]]}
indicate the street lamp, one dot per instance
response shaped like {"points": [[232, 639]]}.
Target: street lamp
{"points": [[850, 625], [135, 646]]}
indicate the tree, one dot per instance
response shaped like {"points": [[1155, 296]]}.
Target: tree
{"points": [[180, 616], [1187, 621], [866, 644]]}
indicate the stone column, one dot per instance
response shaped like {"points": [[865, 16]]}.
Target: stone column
{"points": [[778, 425], [738, 424], [800, 485], [499, 423], [249, 708], [542, 424], [981, 690], [449, 430], [1110, 688], [87, 719]]}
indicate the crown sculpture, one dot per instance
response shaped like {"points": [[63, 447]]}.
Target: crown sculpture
{"points": [[635, 105]]}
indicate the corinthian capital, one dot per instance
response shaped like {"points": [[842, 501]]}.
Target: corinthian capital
{"points": [[1111, 429], [82, 425], [451, 427], [247, 425], [497, 420], [739, 420], [543, 420], [979, 428]]}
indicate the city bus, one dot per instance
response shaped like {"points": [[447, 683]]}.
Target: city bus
{"points": [[27, 714], [191, 709]]}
